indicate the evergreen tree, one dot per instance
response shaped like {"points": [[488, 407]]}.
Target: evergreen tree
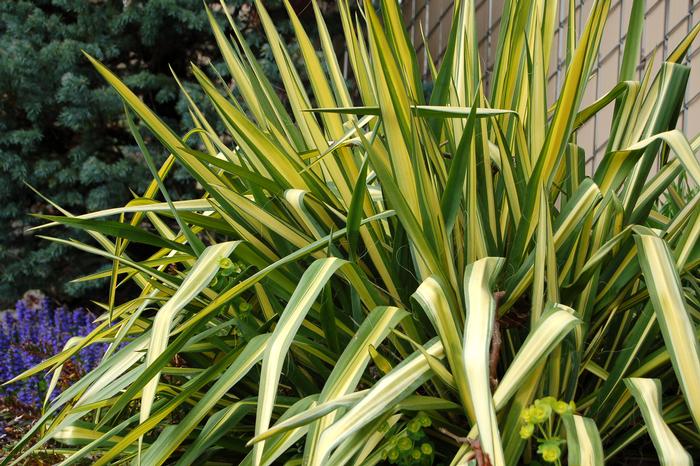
{"points": [[62, 129]]}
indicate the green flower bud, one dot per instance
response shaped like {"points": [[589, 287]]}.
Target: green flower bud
{"points": [[416, 454], [405, 444], [549, 451], [245, 307], [414, 426], [526, 430], [541, 411], [548, 400], [561, 407], [393, 455], [424, 420], [540, 414], [426, 448], [526, 415], [225, 263]]}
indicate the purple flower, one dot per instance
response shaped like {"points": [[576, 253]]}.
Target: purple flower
{"points": [[32, 334]]}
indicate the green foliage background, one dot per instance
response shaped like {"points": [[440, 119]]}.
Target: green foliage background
{"points": [[62, 128]]}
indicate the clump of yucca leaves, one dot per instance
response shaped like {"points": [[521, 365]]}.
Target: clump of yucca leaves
{"points": [[395, 254]]}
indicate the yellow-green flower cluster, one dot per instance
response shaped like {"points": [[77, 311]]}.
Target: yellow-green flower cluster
{"points": [[541, 412], [411, 446]]}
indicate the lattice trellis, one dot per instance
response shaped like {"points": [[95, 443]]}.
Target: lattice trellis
{"points": [[666, 23]]}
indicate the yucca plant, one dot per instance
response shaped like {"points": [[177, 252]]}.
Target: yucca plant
{"points": [[395, 278]]}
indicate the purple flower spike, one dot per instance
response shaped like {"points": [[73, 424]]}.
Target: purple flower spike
{"points": [[34, 333]]}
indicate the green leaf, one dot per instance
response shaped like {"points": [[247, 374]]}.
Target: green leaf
{"points": [[479, 279], [667, 297], [647, 394], [582, 441], [119, 230], [199, 277], [310, 285], [355, 210]]}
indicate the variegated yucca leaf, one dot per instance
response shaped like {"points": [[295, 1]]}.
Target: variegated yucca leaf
{"points": [[671, 311], [363, 251], [480, 315], [647, 394], [582, 441], [199, 277]]}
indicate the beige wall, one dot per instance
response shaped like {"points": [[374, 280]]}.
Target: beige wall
{"points": [[666, 23]]}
